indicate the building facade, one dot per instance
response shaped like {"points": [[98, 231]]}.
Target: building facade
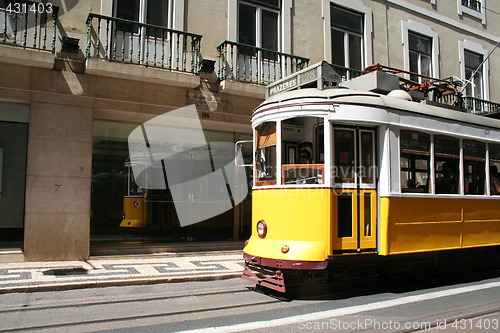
{"points": [[77, 77]]}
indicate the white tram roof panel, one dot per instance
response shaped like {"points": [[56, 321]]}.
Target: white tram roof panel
{"points": [[339, 96]]}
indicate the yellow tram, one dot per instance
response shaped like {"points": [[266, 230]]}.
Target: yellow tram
{"points": [[363, 172]]}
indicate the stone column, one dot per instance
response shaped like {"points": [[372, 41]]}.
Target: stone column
{"points": [[57, 209]]}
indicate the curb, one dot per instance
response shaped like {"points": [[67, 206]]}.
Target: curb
{"points": [[115, 283]]}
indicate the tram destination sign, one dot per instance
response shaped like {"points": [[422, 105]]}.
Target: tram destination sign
{"points": [[320, 75]]}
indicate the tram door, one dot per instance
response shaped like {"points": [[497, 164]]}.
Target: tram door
{"points": [[355, 208]]}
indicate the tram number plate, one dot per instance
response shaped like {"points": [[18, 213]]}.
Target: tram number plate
{"points": [[309, 76]]}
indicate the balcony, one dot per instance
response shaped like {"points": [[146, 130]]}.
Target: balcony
{"points": [[124, 41], [347, 73], [29, 25], [480, 106], [245, 63]]}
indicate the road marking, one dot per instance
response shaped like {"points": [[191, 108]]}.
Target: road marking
{"points": [[314, 316]]}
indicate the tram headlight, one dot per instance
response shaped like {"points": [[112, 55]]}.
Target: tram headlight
{"points": [[285, 249], [262, 228]]}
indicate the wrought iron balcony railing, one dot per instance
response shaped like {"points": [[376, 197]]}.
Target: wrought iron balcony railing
{"points": [[149, 45], [480, 106], [347, 73], [252, 64], [30, 25]]}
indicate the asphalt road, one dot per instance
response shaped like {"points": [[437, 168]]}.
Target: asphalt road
{"points": [[467, 305]]}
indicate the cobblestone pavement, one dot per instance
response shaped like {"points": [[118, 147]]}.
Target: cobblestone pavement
{"points": [[117, 271]]}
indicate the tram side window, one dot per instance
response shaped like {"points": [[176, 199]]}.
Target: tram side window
{"points": [[494, 169], [474, 167], [302, 150], [415, 156], [265, 154], [447, 162]]}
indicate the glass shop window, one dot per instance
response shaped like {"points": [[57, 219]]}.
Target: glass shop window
{"points": [[415, 160], [474, 167], [303, 151], [447, 164], [265, 154]]}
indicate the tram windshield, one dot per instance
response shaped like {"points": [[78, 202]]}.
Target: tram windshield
{"points": [[302, 150]]}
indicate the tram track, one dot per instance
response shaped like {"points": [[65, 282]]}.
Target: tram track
{"points": [[26, 308], [207, 305], [81, 325], [130, 318]]}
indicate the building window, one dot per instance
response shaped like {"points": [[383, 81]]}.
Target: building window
{"points": [[415, 162], [473, 64], [473, 8], [420, 55], [421, 51], [154, 12], [146, 38], [474, 57], [259, 24], [347, 41], [472, 4]]}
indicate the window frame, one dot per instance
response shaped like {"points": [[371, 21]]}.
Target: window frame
{"points": [[485, 161], [474, 160], [347, 33], [463, 9], [412, 168], [176, 12], [259, 9], [492, 161], [472, 47], [314, 168], [425, 31], [447, 156], [284, 24], [354, 6]]}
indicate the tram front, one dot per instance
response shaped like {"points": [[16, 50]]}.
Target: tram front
{"points": [[291, 198]]}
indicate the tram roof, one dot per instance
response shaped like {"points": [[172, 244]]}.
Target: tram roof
{"points": [[341, 96]]}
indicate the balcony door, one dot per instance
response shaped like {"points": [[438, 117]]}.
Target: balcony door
{"points": [[259, 31], [141, 38], [347, 41]]}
